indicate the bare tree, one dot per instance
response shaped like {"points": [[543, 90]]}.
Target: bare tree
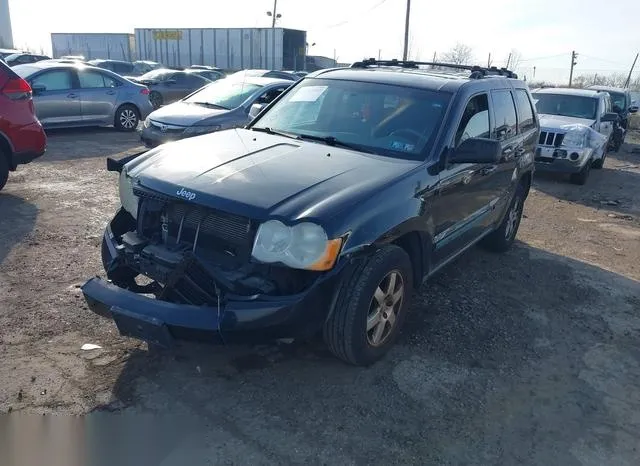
{"points": [[460, 54], [516, 59]]}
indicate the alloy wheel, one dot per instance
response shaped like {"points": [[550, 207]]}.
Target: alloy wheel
{"points": [[128, 119], [512, 218], [383, 310]]}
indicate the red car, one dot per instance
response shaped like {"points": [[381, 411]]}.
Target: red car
{"points": [[22, 138]]}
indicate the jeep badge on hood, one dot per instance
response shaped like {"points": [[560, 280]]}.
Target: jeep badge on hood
{"points": [[186, 194]]}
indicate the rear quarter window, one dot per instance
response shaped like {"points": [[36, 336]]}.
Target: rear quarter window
{"points": [[505, 114], [526, 119]]}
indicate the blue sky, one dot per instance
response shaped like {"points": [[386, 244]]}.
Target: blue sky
{"points": [[607, 36]]}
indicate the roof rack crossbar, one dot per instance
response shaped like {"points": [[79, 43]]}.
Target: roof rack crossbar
{"points": [[476, 71]]}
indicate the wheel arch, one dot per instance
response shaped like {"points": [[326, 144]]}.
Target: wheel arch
{"points": [[6, 149]]}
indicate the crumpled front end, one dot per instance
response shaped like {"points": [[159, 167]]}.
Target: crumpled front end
{"points": [[185, 271], [568, 148]]}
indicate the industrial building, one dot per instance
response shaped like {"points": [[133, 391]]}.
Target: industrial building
{"points": [[6, 35]]}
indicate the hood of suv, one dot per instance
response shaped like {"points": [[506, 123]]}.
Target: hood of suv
{"points": [[260, 175], [186, 114], [555, 121]]}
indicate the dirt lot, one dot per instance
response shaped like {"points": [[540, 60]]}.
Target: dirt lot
{"points": [[528, 358]]}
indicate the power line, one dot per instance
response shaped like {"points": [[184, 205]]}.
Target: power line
{"points": [[545, 58], [359, 16]]}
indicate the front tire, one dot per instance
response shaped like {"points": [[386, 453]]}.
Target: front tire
{"points": [[582, 177], [502, 238], [598, 164], [127, 118], [371, 308], [4, 169]]}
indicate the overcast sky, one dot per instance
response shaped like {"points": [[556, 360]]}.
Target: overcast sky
{"points": [[606, 35]]}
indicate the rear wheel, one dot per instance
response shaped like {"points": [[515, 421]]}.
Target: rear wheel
{"points": [[501, 239], [156, 99], [4, 169], [371, 308], [127, 118]]}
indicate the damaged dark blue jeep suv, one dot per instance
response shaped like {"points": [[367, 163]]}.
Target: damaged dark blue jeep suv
{"points": [[324, 213]]}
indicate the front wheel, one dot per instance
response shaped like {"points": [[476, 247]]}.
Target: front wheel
{"points": [[598, 164], [371, 308], [127, 118], [581, 177], [502, 238]]}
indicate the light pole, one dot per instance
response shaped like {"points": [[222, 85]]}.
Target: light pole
{"points": [[274, 14], [306, 51]]}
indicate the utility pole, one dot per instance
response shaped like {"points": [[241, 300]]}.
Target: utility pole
{"points": [[489, 61], [574, 56], [275, 12], [534, 72], [379, 54], [628, 81], [406, 32], [508, 61]]}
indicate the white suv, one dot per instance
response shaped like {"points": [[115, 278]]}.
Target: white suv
{"points": [[575, 128]]}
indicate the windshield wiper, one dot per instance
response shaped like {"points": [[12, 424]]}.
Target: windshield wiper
{"points": [[332, 141], [268, 130], [210, 105]]}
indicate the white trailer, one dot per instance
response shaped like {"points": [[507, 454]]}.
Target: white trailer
{"points": [[113, 46], [227, 48]]}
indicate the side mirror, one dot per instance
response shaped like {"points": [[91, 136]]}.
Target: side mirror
{"points": [[633, 109], [477, 150], [255, 110], [609, 117], [38, 89]]}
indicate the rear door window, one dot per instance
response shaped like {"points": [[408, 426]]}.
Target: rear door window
{"points": [[505, 114], [122, 68], [54, 80]]}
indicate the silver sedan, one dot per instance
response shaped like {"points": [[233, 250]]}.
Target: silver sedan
{"points": [[67, 94]]}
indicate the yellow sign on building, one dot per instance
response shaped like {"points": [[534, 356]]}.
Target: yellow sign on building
{"points": [[167, 35]]}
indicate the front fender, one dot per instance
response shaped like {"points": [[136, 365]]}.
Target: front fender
{"points": [[391, 214]]}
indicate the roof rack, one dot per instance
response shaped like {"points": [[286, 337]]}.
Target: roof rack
{"points": [[477, 72]]}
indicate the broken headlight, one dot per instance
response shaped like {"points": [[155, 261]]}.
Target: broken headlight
{"points": [[301, 246], [128, 200], [575, 138]]}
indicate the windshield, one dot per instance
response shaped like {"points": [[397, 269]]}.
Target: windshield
{"points": [[380, 118], [11, 57], [566, 105], [619, 100], [157, 75], [223, 93]]}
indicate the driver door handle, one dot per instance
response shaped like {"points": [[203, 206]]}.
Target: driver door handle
{"points": [[484, 171], [72, 95]]}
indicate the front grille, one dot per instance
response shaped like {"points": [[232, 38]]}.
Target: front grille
{"points": [[232, 228], [167, 129], [174, 222], [548, 138]]}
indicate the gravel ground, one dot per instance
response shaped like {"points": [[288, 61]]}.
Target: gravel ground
{"points": [[526, 358]]}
